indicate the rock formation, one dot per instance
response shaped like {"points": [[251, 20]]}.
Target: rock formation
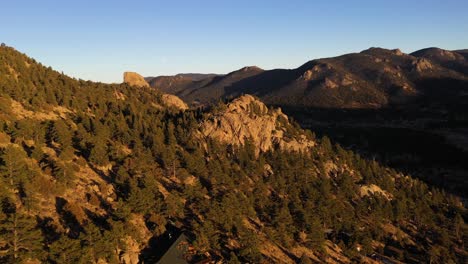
{"points": [[248, 118], [135, 79], [174, 101], [131, 253], [373, 189], [307, 75], [422, 64], [328, 83], [398, 52]]}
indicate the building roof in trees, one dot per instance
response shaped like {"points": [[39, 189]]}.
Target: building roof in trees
{"points": [[177, 252]]}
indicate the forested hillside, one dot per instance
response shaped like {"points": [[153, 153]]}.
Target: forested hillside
{"points": [[92, 172]]}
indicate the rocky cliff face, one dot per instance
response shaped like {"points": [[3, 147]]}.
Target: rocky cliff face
{"points": [[135, 79], [248, 118]]}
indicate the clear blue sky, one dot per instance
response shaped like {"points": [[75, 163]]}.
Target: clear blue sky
{"points": [[99, 40]]}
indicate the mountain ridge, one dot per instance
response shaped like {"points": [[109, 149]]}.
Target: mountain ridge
{"points": [[372, 78]]}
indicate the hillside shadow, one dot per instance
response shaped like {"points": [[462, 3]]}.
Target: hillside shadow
{"points": [[262, 83], [426, 138], [423, 134], [67, 218]]}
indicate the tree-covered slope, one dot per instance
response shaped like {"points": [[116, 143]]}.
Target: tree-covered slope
{"points": [[94, 172]]}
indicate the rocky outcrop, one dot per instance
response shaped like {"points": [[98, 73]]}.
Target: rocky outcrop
{"points": [[438, 55], [398, 52], [248, 118], [169, 100], [347, 80], [422, 64], [449, 55], [174, 101], [316, 72], [307, 75], [338, 80], [135, 79], [454, 61], [373, 189], [328, 83]]}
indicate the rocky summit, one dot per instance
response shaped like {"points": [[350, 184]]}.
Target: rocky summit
{"points": [[135, 79], [247, 118]]}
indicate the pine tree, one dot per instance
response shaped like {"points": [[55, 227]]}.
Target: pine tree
{"points": [[66, 250], [316, 233], [249, 246], [14, 169], [203, 233], [21, 237], [233, 259], [98, 153], [284, 224], [59, 132]]}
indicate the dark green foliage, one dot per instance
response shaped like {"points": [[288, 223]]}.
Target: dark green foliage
{"points": [[98, 153], [20, 238], [249, 247], [66, 250], [14, 169]]}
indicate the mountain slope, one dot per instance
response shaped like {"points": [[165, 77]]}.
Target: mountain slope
{"points": [[210, 88], [176, 83], [448, 59], [373, 78], [96, 173]]}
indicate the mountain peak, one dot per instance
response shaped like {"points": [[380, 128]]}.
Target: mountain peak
{"points": [[376, 51], [250, 68], [438, 54]]}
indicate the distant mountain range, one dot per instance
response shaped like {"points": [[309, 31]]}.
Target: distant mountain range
{"points": [[373, 78]]}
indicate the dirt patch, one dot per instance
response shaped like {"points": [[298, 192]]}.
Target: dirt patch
{"points": [[18, 110]]}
